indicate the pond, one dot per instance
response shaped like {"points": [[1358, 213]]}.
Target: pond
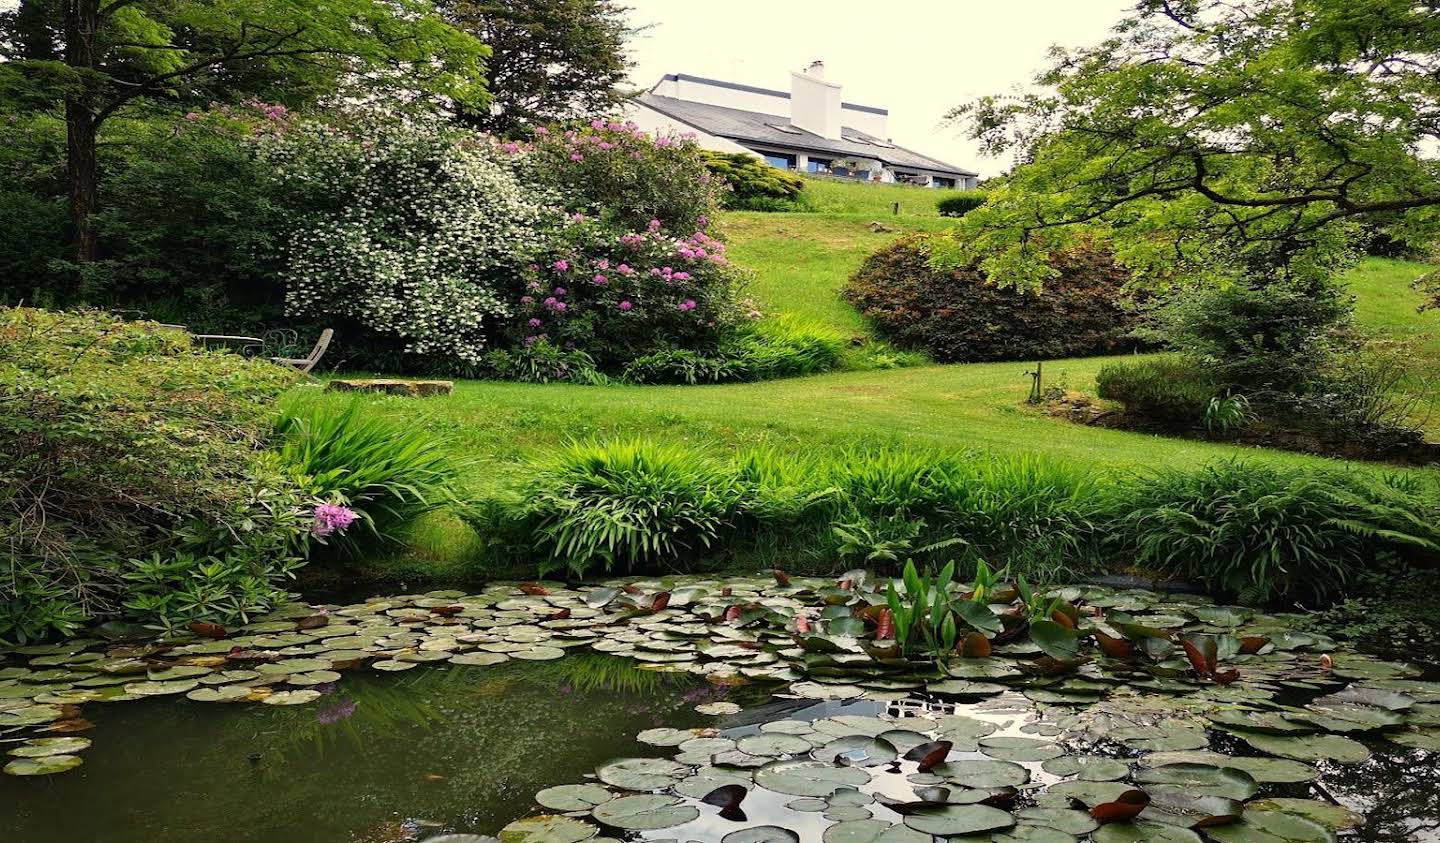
{"points": [[560, 715]]}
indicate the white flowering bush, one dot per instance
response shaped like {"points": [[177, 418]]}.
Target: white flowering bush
{"points": [[409, 231]]}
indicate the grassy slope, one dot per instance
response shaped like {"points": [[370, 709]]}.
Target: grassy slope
{"points": [[802, 261]]}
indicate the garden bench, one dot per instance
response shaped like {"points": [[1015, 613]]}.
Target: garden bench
{"points": [[303, 365], [252, 346]]}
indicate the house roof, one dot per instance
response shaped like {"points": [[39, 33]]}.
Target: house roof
{"points": [[769, 130], [751, 89]]}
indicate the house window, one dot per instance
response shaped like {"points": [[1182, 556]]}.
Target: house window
{"points": [[946, 184], [776, 159], [819, 165]]}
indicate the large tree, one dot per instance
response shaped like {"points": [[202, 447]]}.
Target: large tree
{"points": [[1219, 140], [551, 60], [97, 60]]}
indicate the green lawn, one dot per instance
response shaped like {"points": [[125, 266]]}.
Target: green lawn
{"points": [[801, 261], [877, 201]]}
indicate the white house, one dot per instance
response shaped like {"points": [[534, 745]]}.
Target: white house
{"points": [[810, 129]]}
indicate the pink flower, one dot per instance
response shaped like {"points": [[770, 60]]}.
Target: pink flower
{"points": [[511, 148], [626, 306], [654, 226], [541, 131], [332, 518], [602, 264], [527, 299], [688, 304], [575, 156], [605, 145], [559, 291], [624, 269], [561, 265], [192, 116], [681, 276], [535, 323], [597, 124], [600, 279], [578, 218]]}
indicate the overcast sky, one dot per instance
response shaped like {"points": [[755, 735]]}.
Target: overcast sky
{"points": [[918, 58]]}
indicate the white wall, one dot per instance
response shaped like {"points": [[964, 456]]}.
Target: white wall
{"points": [[868, 122], [656, 123], [687, 89], [815, 104]]}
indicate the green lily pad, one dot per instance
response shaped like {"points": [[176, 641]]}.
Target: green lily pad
{"points": [[573, 797], [220, 693], [1308, 747], [952, 820], [547, 829], [393, 665], [772, 745], [645, 812], [1086, 793], [856, 750], [717, 709], [872, 831], [1333, 817], [804, 777], [707, 779], [1063, 819], [479, 659], [42, 747], [1200, 780], [1277, 770], [159, 689], [1092, 768], [983, 774], [44, 766], [1191, 810], [642, 773], [1271, 827], [762, 834], [1019, 749], [1143, 831], [291, 697]]}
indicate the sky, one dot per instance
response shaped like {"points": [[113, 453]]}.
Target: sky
{"points": [[918, 58]]}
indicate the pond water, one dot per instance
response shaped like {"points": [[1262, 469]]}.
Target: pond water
{"points": [[381, 758], [704, 712]]}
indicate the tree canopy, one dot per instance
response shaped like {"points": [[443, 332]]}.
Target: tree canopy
{"points": [[97, 59], [551, 60], [1219, 140]]}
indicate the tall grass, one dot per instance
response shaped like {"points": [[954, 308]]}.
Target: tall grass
{"points": [[389, 470]]}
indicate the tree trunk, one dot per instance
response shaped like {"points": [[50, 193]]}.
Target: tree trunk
{"points": [[81, 19]]}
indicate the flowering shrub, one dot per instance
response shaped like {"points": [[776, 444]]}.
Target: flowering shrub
{"points": [[616, 295], [623, 175], [408, 231]]}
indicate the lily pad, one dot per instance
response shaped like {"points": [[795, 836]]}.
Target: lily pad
{"points": [[642, 773], [1308, 747], [1200, 780], [1277, 770], [573, 797], [772, 745], [808, 777], [872, 831], [220, 693], [1063, 819], [548, 829], [645, 812], [718, 708], [1144, 831], [291, 697], [856, 750], [762, 834], [983, 774], [44, 766], [1019, 749], [1091, 768], [1333, 817], [42, 747], [1271, 827], [952, 820]]}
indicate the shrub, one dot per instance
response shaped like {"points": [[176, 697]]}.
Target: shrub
{"points": [[624, 176], [1263, 532], [960, 203], [389, 471], [1263, 340], [757, 350], [132, 477], [959, 316], [620, 295], [410, 231], [1164, 389], [629, 507], [755, 185]]}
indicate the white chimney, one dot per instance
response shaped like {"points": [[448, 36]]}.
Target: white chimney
{"points": [[815, 103]]}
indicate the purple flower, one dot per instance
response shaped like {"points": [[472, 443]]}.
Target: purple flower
{"points": [[688, 304], [561, 265], [527, 299], [682, 276], [654, 226], [560, 291], [332, 518], [575, 156], [626, 306], [535, 323], [542, 131], [511, 148], [600, 279]]}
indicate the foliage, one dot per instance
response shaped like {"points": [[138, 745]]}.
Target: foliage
{"points": [[550, 60], [1266, 341], [618, 295], [1228, 414], [960, 203], [960, 316], [924, 620], [757, 350], [409, 231], [1374, 389], [1165, 389], [755, 185], [141, 54], [120, 441], [625, 176], [388, 471], [542, 361], [1218, 142], [628, 506], [1263, 532]]}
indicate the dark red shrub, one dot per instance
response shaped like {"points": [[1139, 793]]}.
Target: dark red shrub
{"points": [[957, 317]]}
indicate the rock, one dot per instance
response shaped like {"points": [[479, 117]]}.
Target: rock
{"points": [[407, 388]]}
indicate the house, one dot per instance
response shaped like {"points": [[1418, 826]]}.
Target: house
{"points": [[810, 129]]}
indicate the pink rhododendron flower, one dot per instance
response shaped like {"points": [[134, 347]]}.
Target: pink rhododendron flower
{"points": [[688, 304], [535, 323], [561, 265], [600, 279], [626, 306]]}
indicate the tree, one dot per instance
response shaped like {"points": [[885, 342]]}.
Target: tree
{"points": [[551, 60], [100, 59], [1217, 140]]}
